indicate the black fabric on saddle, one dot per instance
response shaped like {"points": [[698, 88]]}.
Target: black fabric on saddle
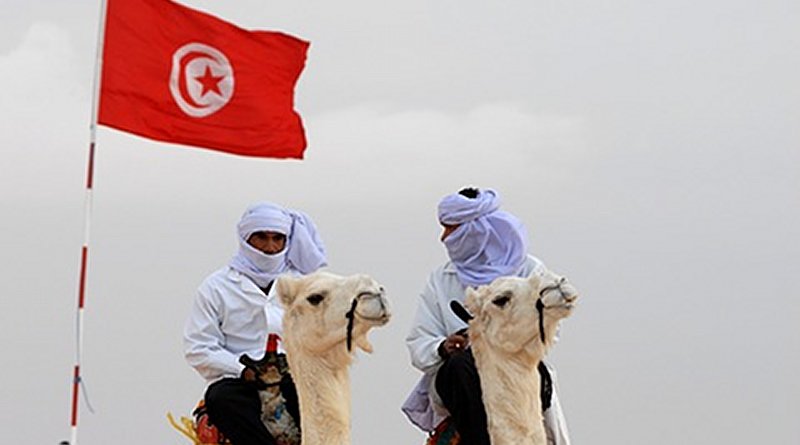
{"points": [[545, 387]]}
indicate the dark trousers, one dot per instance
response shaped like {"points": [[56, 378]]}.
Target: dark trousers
{"points": [[459, 387], [235, 408]]}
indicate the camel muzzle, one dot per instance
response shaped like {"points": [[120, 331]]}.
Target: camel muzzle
{"points": [[380, 319]]}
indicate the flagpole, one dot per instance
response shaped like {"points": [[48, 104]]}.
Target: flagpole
{"points": [[76, 376]]}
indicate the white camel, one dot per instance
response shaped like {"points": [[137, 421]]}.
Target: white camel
{"points": [[514, 320], [326, 317]]}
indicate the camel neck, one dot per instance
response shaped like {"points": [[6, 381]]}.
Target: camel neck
{"points": [[510, 386], [324, 394]]}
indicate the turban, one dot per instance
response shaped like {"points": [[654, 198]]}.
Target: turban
{"points": [[304, 251], [488, 243]]}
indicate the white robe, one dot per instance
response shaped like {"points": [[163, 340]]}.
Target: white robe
{"points": [[230, 316]]}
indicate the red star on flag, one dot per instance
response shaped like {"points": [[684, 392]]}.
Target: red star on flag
{"points": [[210, 82]]}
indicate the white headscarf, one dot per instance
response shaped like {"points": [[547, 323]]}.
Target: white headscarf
{"points": [[304, 251], [489, 243]]}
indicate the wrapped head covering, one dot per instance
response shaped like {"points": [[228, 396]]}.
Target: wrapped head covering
{"points": [[304, 251], [488, 243]]}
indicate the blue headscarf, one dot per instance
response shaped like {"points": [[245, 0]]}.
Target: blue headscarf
{"points": [[489, 243], [304, 251]]}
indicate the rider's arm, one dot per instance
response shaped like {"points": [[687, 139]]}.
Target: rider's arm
{"points": [[204, 341], [428, 330]]}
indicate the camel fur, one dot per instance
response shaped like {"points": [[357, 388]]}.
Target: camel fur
{"points": [[315, 329], [506, 343]]}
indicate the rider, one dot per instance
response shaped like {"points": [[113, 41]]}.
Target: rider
{"points": [[483, 243], [236, 309]]}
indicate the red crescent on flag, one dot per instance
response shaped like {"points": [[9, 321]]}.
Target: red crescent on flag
{"points": [[185, 60]]}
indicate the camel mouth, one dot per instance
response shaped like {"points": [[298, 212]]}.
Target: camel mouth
{"points": [[570, 300], [561, 300], [566, 304], [375, 319], [373, 308], [370, 308]]}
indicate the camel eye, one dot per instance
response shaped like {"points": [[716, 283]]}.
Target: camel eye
{"points": [[501, 301], [315, 299]]}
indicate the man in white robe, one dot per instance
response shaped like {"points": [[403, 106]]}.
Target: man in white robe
{"points": [[235, 311], [483, 243]]}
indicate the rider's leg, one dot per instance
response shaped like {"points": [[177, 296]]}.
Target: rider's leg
{"points": [[235, 408], [289, 392], [459, 387]]}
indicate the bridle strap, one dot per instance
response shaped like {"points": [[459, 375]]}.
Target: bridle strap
{"points": [[350, 316], [540, 309], [556, 286], [540, 303]]}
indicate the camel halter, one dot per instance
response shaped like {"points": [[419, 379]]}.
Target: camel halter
{"points": [[351, 315], [540, 304], [462, 313]]}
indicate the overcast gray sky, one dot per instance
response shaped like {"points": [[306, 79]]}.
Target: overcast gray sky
{"points": [[652, 148]]}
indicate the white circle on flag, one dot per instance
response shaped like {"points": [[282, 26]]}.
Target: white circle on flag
{"points": [[201, 80]]}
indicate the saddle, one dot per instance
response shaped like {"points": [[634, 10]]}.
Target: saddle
{"points": [[444, 434], [272, 372], [199, 430]]}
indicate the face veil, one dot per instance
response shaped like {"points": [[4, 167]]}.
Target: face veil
{"points": [[304, 251], [488, 242]]}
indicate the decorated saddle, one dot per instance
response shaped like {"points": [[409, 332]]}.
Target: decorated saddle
{"points": [[272, 373]]}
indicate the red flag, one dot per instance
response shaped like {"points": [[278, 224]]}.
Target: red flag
{"points": [[178, 75]]}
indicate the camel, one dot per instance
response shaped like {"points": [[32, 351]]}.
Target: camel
{"points": [[326, 315], [513, 321]]}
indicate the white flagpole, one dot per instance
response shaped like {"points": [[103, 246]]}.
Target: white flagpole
{"points": [[76, 379]]}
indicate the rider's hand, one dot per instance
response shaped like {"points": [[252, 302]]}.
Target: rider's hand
{"points": [[454, 343], [251, 375]]}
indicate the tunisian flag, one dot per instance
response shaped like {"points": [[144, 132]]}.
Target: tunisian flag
{"points": [[178, 75]]}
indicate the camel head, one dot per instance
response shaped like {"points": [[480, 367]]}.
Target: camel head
{"points": [[506, 312], [323, 310]]}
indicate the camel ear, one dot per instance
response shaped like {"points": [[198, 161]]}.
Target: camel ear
{"points": [[535, 279], [287, 287], [472, 302]]}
